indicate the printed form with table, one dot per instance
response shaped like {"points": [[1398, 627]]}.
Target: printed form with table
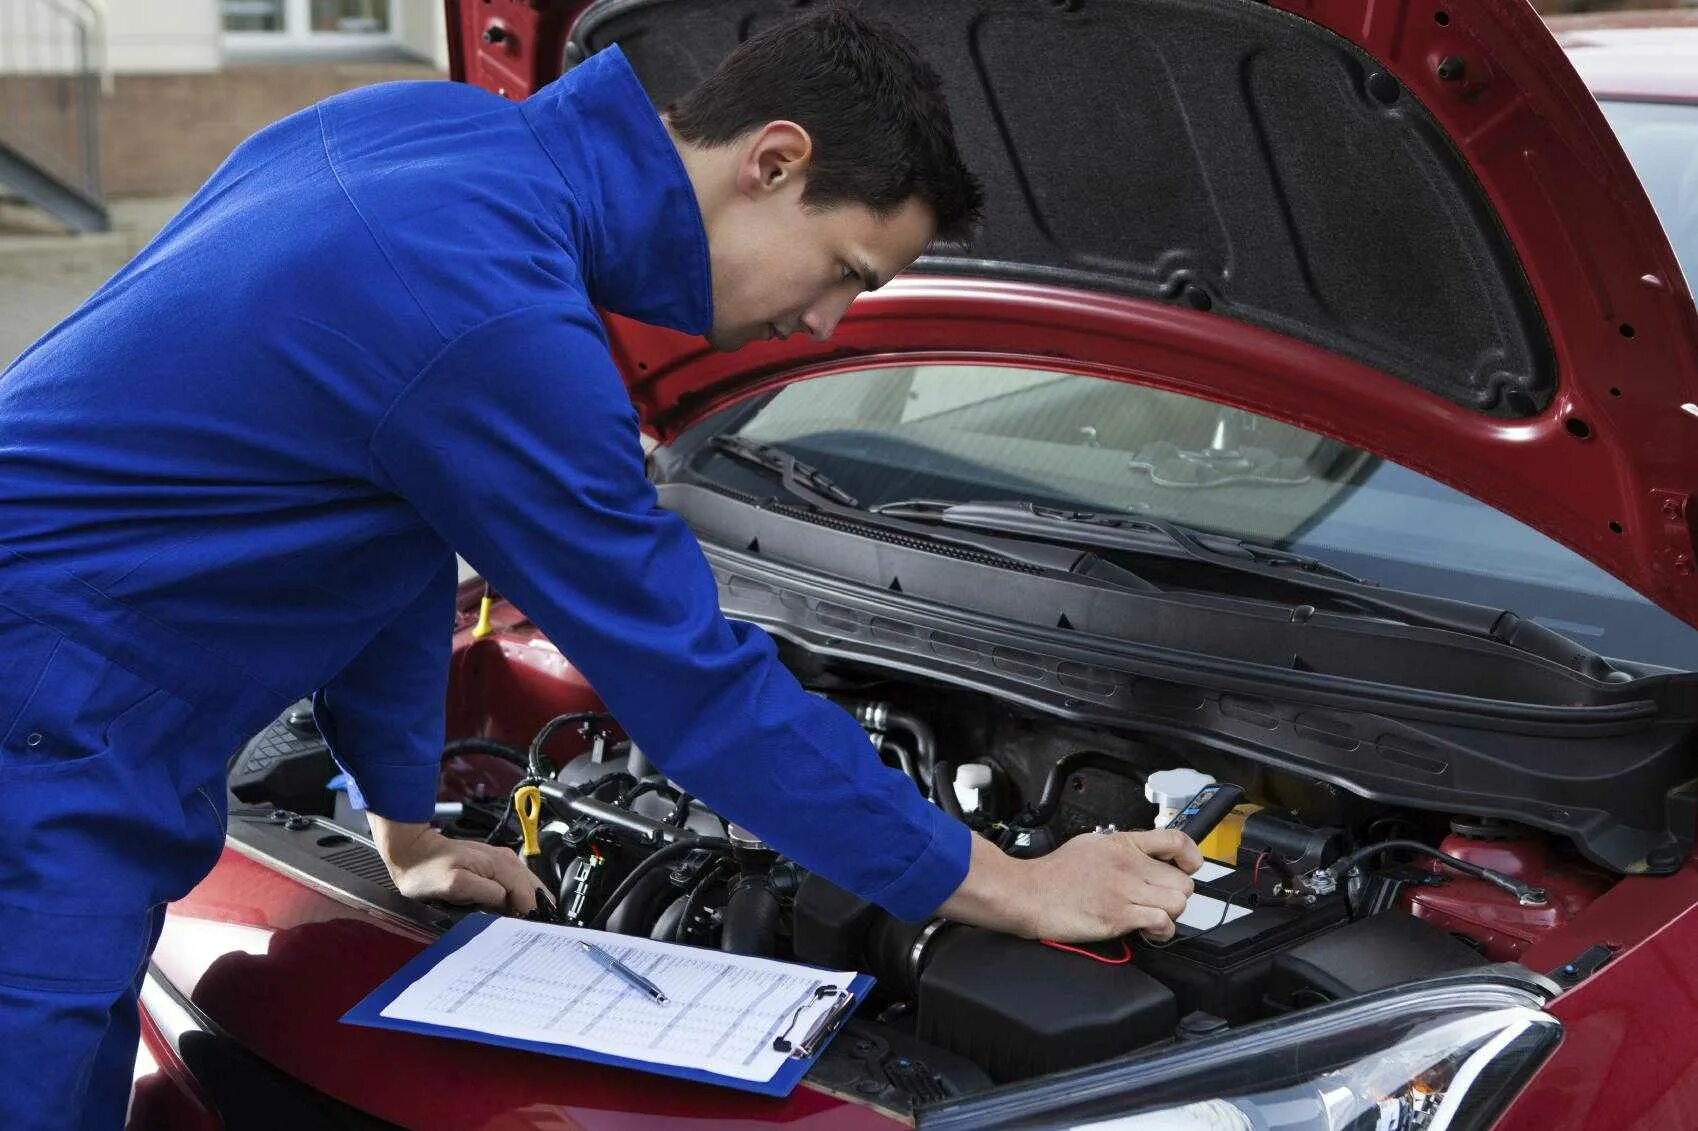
{"points": [[751, 1023]]}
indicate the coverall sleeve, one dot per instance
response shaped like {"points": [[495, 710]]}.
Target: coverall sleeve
{"points": [[383, 713], [520, 445]]}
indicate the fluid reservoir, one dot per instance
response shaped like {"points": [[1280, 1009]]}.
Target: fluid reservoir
{"points": [[1169, 790]]}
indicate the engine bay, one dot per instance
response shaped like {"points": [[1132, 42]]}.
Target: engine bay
{"points": [[1309, 895]]}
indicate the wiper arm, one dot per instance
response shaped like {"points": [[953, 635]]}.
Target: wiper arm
{"points": [[1167, 539], [815, 488], [788, 468], [1121, 532]]}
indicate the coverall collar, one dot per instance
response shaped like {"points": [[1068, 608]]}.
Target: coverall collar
{"points": [[643, 246]]}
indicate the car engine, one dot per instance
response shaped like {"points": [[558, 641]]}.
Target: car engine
{"points": [[1310, 894]]}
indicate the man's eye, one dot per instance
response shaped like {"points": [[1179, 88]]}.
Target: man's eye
{"points": [[845, 274]]}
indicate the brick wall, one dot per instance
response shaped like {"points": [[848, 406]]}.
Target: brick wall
{"points": [[163, 135]]}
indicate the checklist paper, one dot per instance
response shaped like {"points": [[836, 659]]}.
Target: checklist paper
{"points": [[532, 982]]}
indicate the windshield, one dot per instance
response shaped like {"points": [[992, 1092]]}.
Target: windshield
{"points": [[1661, 140], [977, 433]]}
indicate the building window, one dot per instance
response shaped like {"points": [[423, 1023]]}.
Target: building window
{"points": [[307, 24], [253, 15], [355, 17]]}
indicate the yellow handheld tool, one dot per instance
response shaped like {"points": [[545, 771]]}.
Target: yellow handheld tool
{"points": [[527, 804]]}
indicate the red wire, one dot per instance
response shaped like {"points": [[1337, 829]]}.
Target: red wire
{"points": [[1256, 873], [1125, 952]]}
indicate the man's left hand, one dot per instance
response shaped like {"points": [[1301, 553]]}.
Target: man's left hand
{"points": [[427, 865]]}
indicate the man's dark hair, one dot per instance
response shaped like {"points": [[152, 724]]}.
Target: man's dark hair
{"points": [[874, 108]]}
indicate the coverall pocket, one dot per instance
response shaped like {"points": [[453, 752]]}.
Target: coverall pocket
{"points": [[49, 950], [67, 711]]}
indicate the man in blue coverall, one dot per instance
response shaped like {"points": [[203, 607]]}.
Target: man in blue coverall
{"points": [[240, 471]]}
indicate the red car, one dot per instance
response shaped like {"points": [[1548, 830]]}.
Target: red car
{"points": [[1318, 413]]}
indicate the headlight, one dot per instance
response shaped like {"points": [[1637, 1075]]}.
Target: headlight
{"points": [[1446, 1058]]}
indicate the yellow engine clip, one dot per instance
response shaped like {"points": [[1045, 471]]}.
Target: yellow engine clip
{"points": [[527, 805]]}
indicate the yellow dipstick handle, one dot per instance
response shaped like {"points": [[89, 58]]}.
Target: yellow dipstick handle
{"points": [[482, 628], [527, 803]]}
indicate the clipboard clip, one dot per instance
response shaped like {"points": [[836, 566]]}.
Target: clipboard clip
{"points": [[824, 1025]]}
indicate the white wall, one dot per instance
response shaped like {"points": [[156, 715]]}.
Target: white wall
{"points": [[174, 36], [162, 36], [423, 30], [140, 35]]}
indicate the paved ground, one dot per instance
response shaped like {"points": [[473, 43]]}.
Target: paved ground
{"points": [[45, 274]]}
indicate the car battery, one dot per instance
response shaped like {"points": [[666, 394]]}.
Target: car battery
{"points": [[1223, 969]]}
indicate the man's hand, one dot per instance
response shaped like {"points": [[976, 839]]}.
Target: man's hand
{"points": [[427, 865], [1093, 887]]}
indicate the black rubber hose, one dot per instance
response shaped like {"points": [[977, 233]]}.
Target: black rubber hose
{"points": [[670, 916], [486, 746], [636, 912], [925, 744], [904, 760], [680, 810], [750, 925], [946, 798], [599, 786], [501, 824], [878, 716], [710, 876], [650, 862], [1056, 783], [1343, 865], [649, 785], [533, 761]]}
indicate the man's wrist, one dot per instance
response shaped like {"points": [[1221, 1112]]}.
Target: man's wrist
{"points": [[395, 840], [994, 893]]}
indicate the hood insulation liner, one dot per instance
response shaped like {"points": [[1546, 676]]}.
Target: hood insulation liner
{"points": [[1218, 154]]}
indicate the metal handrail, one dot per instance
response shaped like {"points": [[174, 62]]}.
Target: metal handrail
{"points": [[51, 64]]}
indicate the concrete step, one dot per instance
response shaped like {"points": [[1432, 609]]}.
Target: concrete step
{"points": [[46, 272]]}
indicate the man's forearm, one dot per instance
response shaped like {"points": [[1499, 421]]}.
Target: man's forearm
{"points": [[994, 892]]}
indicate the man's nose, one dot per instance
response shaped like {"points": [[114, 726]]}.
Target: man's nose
{"points": [[822, 319]]}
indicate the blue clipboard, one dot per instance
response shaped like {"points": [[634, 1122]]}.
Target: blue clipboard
{"points": [[369, 1012]]}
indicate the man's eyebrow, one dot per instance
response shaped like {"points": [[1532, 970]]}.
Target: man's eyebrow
{"points": [[869, 277]]}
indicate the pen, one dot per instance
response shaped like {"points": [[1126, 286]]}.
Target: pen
{"points": [[631, 978]]}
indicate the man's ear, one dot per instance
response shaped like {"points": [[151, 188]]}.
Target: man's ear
{"points": [[774, 157]]}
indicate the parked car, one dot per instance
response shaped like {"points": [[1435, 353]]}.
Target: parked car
{"points": [[1318, 411]]}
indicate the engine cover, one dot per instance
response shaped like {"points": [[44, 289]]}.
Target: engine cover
{"points": [[1022, 1009]]}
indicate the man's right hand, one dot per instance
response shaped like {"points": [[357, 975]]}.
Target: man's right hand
{"points": [[1095, 886]]}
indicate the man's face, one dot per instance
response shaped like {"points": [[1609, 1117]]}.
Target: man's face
{"points": [[780, 268]]}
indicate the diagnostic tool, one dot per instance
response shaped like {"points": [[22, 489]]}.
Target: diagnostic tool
{"points": [[1206, 810]]}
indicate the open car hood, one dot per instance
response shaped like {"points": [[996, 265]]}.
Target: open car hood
{"points": [[1407, 226]]}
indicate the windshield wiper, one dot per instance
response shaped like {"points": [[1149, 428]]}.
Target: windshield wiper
{"points": [[1151, 536], [1120, 531], [815, 488], [788, 468]]}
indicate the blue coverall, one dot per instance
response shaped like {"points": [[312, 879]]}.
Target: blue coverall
{"points": [[235, 474]]}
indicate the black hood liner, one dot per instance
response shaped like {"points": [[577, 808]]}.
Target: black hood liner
{"points": [[1218, 154]]}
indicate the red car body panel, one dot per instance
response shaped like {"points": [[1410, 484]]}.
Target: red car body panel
{"points": [[1620, 316], [1629, 1054], [274, 960], [164, 1093]]}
